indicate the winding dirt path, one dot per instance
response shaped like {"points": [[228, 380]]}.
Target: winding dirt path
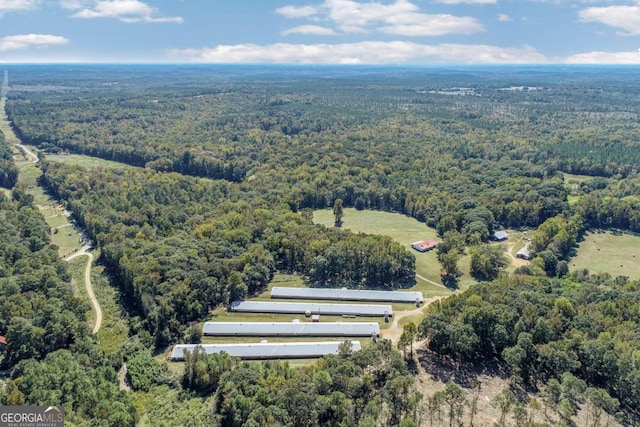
{"points": [[395, 330], [29, 153], [430, 281], [87, 281], [11, 138]]}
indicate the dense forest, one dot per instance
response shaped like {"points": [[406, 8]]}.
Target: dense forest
{"points": [[227, 165], [582, 329], [181, 246], [50, 350], [8, 171]]}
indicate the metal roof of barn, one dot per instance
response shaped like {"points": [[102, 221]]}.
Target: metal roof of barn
{"points": [[265, 350], [292, 329], [500, 235], [343, 294], [312, 308]]}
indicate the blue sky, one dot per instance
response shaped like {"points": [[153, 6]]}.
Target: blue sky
{"points": [[321, 32]]}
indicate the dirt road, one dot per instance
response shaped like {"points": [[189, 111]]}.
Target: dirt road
{"points": [[29, 153], [430, 281], [394, 332], [87, 281]]}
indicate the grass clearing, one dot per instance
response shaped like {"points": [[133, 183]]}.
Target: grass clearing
{"points": [[570, 178], [404, 230], [86, 161], [115, 330], [76, 267], [67, 239], [572, 200], [610, 252], [57, 221]]}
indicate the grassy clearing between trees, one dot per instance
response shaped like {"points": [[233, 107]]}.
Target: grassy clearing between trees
{"points": [[76, 267], [614, 252], [404, 230], [86, 161], [115, 330]]}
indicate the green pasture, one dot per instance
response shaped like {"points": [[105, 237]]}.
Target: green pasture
{"points": [[570, 178], [114, 330], [86, 161], [58, 220], [404, 230], [572, 183], [68, 241], [572, 200], [76, 268], [610, 252]]}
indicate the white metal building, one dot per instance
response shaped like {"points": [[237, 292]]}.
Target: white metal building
{"points": [[344, 294], [291, 329], [267, 350], [309, 308]]}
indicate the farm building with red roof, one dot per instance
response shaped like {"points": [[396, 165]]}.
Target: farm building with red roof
{"points": [[424, 245]]}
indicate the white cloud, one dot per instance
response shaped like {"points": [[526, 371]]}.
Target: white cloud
{"points": [[596, 57], [626, 18], [24, 41], [129, 11], [504, 18], [315, 30], [468, 1], [436, 25], [15, 5], [297, 11], [369, 52], [399, 17]]}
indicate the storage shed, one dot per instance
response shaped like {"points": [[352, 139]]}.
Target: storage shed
{"points": [[424, 245], [524, 253], [500, 236], [267, 350]]}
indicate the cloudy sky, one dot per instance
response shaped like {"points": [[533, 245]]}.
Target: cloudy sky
{"points": [[321, 32]]}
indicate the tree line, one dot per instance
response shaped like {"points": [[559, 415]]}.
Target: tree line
{"points": [[180, 246], [8, 170]]}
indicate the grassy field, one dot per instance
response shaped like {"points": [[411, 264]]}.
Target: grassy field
{"points": [[58, 220], [612, 252], [572, 183], [86, 161], [114, 331], [76, 267], [570, 178], [404, 230], [67, 239]]}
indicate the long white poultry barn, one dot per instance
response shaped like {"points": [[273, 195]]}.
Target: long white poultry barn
{"points": [[291, 329], [309, 308], [267, 350], [343, 294]]}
